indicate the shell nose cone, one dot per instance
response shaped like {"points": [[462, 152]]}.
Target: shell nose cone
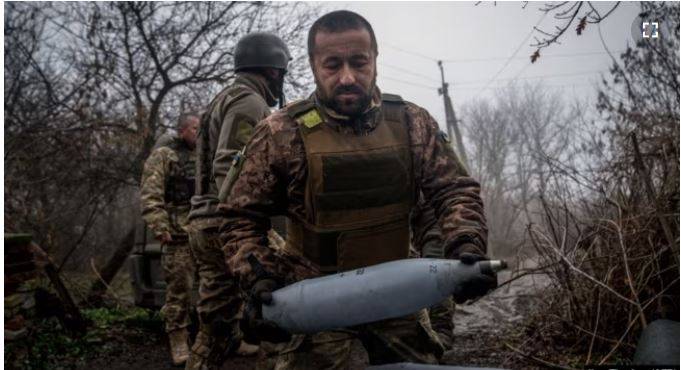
{"points": [[492, 266], [498, 265]]}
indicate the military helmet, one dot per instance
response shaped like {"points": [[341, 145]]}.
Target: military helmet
{"points": [[261, 49]]}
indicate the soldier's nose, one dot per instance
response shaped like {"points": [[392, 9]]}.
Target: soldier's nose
{"points": [[347, 78]]}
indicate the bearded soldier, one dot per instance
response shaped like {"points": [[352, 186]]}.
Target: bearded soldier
{"points": [[346, 166], [166, 188], [260, 62]]}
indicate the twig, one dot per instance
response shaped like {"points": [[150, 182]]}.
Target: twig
{"points": [[593, 336], [632, 321], [539, 360], [576, 269], [533, 271], [614, 341], [630, 279], [108, 287], [650, 192]]}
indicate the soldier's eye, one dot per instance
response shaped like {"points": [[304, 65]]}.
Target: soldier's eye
{"points": [[358, 63]]}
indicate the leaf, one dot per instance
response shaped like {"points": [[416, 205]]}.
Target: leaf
{"points": [[534, 56], [581, 26]]}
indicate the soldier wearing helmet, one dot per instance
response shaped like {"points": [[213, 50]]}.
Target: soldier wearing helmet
{"points": [[260, 63]]}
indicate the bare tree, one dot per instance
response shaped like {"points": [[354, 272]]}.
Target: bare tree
{"points": [[513, 140], [612, 251], [48, 158], [152, 58], [94, 84]]}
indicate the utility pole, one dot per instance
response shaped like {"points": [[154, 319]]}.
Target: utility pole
{"points": [[452, 124]]}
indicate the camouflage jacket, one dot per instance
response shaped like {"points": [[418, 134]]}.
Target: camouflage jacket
{"points": [[160, 213], [273, 177], [226, 127], [426, 237]]}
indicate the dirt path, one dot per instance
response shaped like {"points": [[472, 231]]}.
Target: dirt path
{"points": [[481, 327]]}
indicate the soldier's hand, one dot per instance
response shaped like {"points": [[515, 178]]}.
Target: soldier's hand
{"points": [[476, 285], [164, 237], [262, 291], [266, 330]]}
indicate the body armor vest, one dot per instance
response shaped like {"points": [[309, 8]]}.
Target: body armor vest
{"points": [[358, 194], [181, 179]]}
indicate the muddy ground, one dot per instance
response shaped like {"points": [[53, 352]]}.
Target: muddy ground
{"points": [[481, 330]]}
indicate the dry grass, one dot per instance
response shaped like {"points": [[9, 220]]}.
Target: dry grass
{"points": [[611, 276]]}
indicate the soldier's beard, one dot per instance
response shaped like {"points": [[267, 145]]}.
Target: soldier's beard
{"points": [[352, 109]]}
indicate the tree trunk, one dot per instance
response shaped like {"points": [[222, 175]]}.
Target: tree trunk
{"points": [[110, 269], [65, 308]]}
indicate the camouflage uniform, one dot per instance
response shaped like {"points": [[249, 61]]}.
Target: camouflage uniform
{"points": [[166, 186], [272, 181], [225, 128], [427, 242]]}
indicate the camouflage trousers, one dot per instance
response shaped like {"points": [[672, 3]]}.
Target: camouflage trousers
{"points": [[178, 270], [442, 315], [441, 320], [406, 339], [219, 306]]}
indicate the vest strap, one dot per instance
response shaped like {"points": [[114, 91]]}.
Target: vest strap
{"points": [[299, 107], [392, 98]]}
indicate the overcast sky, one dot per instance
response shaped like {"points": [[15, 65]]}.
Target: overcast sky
{"points": [[413, 35]]}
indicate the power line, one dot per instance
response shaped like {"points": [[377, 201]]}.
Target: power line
{"points": [[491, 59], [565, 55], [405, 70], [553, 86], [409, 52], [522, 70], [479, 82], [552, 75], [513, 55], [411, 83]]}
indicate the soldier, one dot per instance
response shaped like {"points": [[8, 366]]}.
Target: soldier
{"points": [[345, 166], [260, 62], [166, 188]]}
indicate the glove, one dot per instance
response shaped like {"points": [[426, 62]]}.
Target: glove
{"points": [[476, 285], [266, 330]]}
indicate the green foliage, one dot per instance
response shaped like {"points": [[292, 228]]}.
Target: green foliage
{"points": [[105, 317], [132, 318], [48, 346]]}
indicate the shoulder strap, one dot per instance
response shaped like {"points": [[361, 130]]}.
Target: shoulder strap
{"points": [[392, 98], [393, 107], [299, 107], [304, 113]]}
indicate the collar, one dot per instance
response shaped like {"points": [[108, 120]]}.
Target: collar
{"points": [[257, 83]]}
